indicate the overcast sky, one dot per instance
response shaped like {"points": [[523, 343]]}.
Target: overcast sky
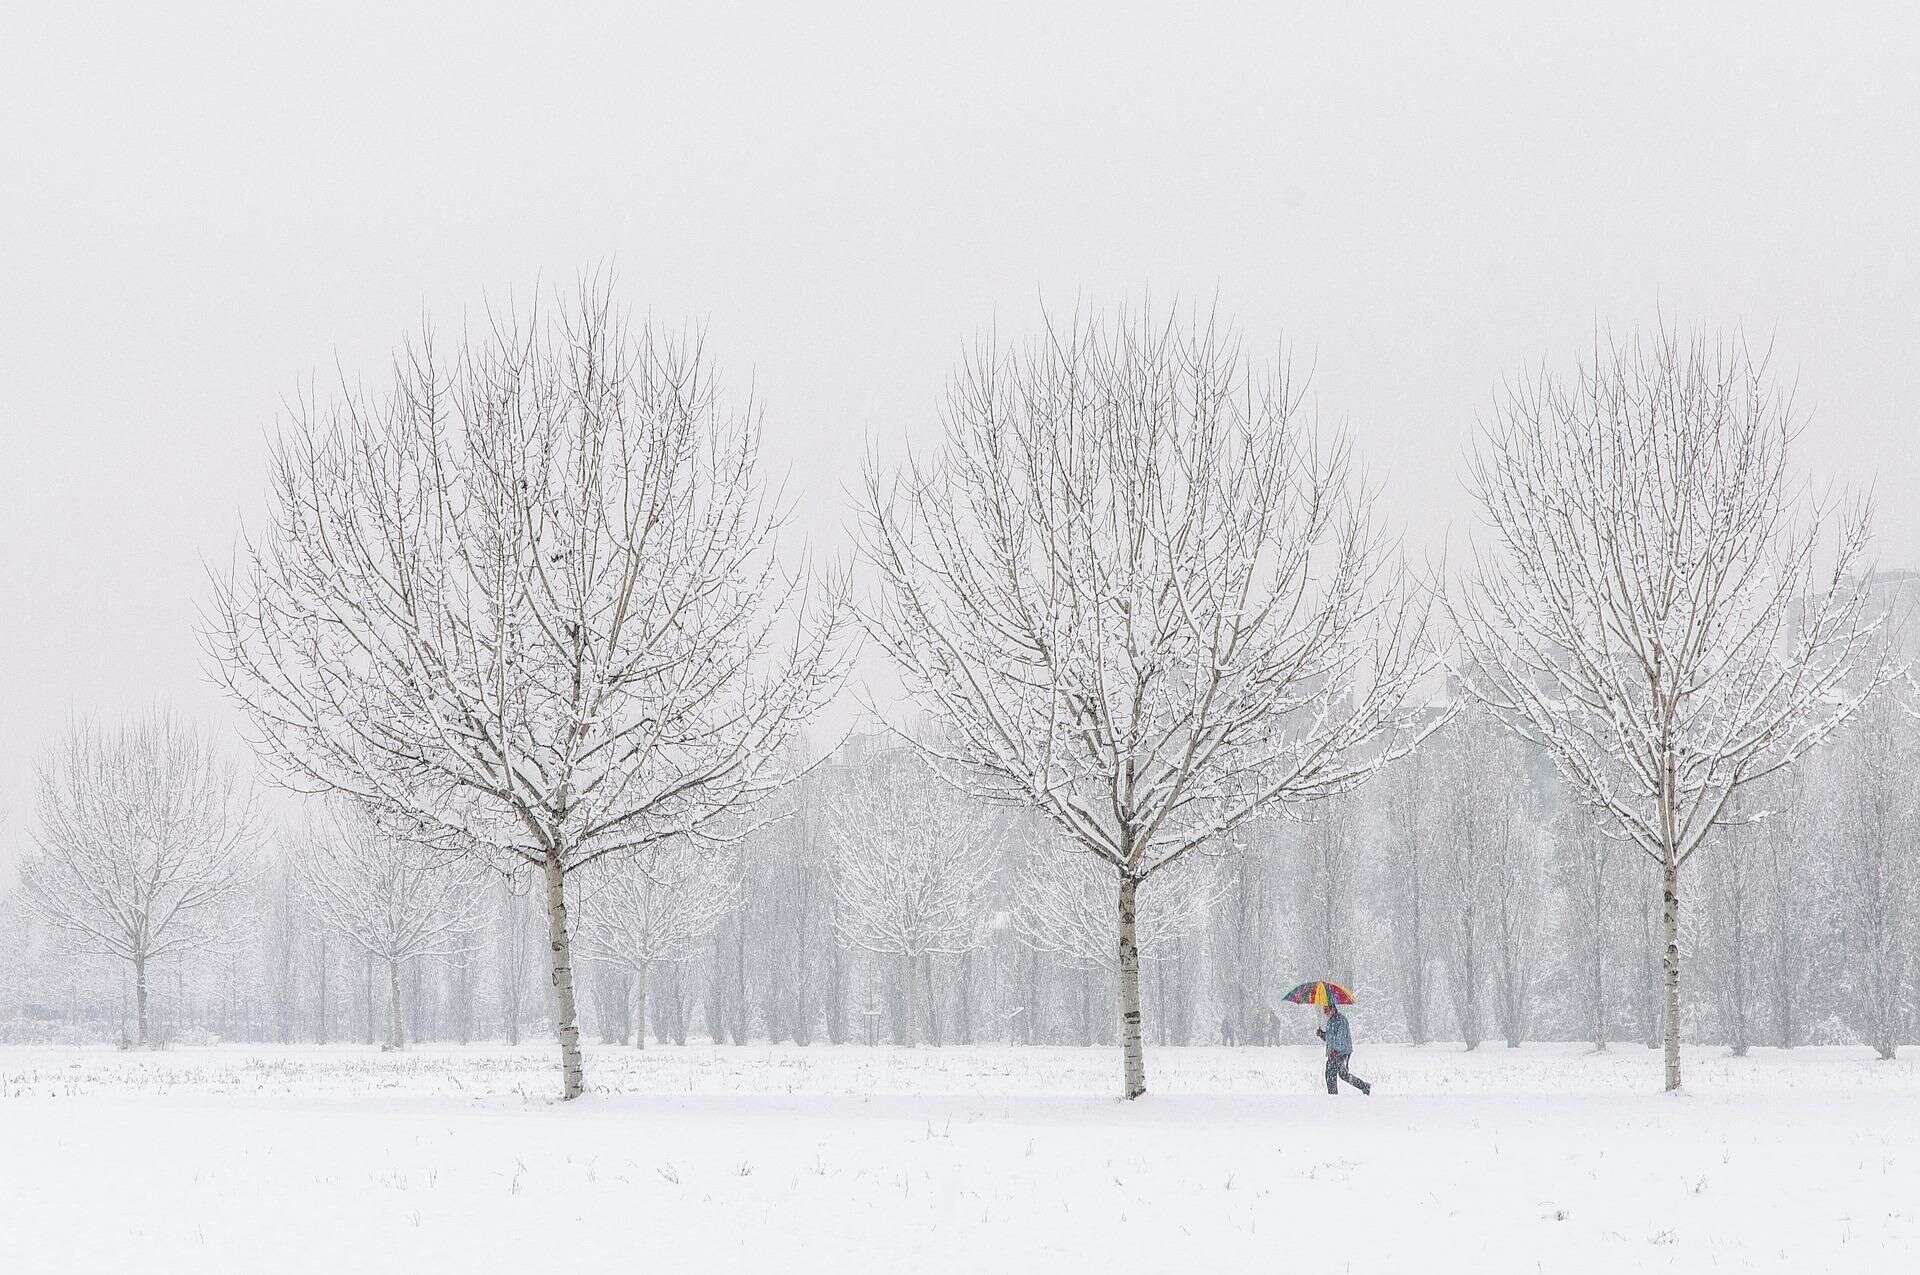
{"points": [[202, 204]]}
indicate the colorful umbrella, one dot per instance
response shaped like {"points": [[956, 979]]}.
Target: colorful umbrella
{"points": [[1319, 992]]}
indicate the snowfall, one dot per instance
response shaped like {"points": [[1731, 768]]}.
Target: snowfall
{"points": [[698, 1158]]}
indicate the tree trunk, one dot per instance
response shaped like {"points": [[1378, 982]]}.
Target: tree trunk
{"points": [[836, 1007], [566, 1021], [1132, 1051], [1670, 910], [740, 1014], [463, 997], [322, 1023], [640, 1007], [140, 1000], [1599, 998], [963, 1007], [1469, 1006], [933, 1003], [396, 1036], [1739, 973], [419, 1028], [909, 997]]}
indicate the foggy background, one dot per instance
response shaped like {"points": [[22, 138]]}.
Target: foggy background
{"points": [[201, 206]]}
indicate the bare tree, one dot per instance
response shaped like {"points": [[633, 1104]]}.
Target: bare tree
{"points": [[657, 909], [1788, 877], [1486, 872], [1472, 818], [1877, 877], [1407, 808], [1660, 609], [1730, 880], [913, 871], [395, 899], [16, 947], [141, 833], [1142, 594], [1328, 878], [516, 941], [1244, 920], [528, 600], [1519, 872]]}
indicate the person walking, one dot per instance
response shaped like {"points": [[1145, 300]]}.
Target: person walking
{"points": [[1339, 1038]]}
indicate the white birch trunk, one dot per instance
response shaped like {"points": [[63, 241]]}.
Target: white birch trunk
{"points": [[1670, 911], [640, 1006], [396, 1033], [1134, 1081], [140, 1000], [566, 1019]]}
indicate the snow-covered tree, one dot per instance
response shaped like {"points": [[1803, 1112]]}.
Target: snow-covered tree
{"points": [[1328, 880], [516, 949], [141, 834], [1876, 874], [1486, 872], [15, 947], [656, 909], [1407, 807], [913, 870], [1660, 606], [1143, 594], [527, 600], [1245, 920], [395, 899], [1591, 869], [1476, 785], [1733, 898], [1788, 873], [1519, 873]]}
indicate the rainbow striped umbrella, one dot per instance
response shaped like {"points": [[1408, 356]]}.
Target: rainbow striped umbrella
{"points": [[1319, 992]]}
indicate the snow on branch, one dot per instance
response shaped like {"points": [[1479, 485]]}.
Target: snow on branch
{"points": [[527, 595], [913, 866], [1660, 604], [1142, 591]]}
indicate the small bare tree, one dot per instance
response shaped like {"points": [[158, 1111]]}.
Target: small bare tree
{"points": [[1142, 594], [1471, 823], [1589, 869], [1730, 881], [1408, 837], [1877, 875], [1327, 873], [1654, 610], [516, 951], [657, 909], [913, 871], [1519, 871], [1789, 879], [141, 833], [1486, 873], [395, 899], [528, 601]]}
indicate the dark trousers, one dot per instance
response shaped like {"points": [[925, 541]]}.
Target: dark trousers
{"points": [[1337, 1071]]}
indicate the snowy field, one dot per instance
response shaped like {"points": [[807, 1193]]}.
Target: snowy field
{"points": [[1549, 1158]]}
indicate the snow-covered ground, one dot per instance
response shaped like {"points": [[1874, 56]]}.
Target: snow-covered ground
{"points": [[1547, 1158]]}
